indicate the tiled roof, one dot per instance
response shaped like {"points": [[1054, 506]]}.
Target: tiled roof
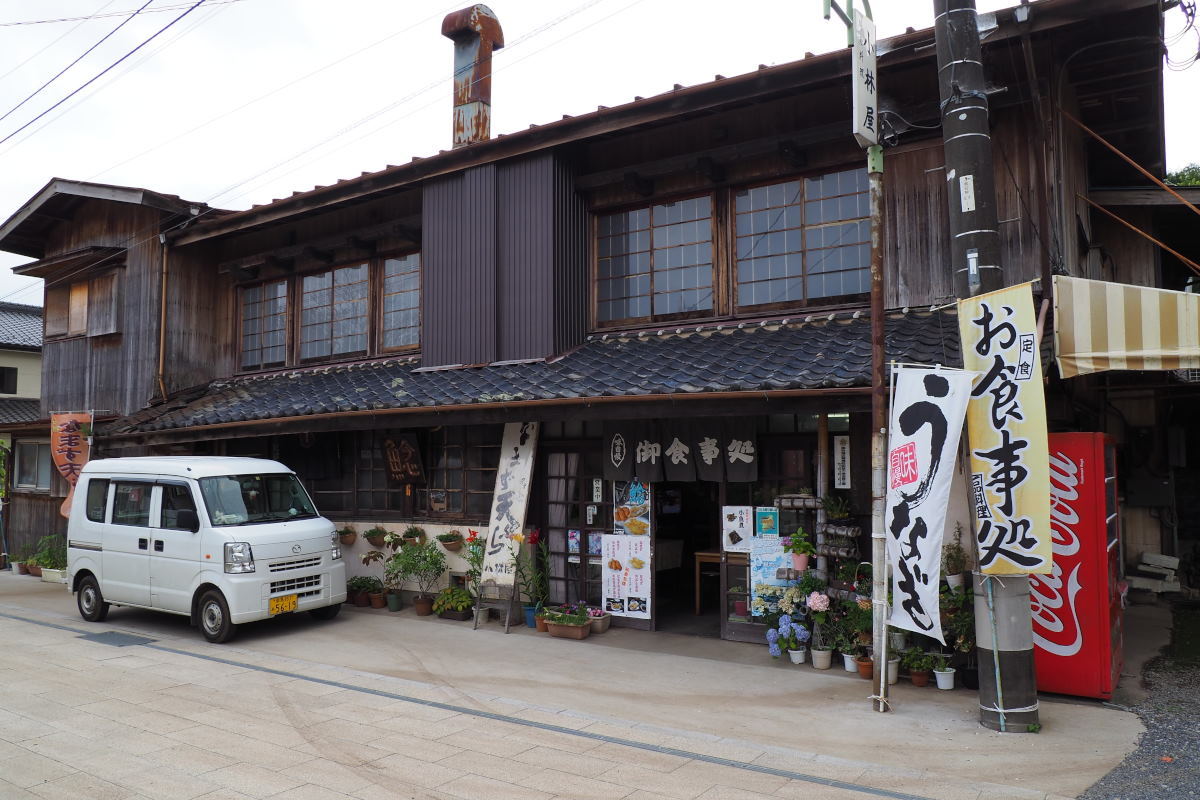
{"points": [[15, 409], [20, 326], [819, 353]]}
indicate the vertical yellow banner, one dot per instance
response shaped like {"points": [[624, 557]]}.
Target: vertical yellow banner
{"points": [[1006, 427]]}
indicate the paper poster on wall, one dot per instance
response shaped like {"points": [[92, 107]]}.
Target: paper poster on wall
{"points": [[737, 528], [767, 563], [510, 499], [766, 521], [625, 561], [631, 507]]}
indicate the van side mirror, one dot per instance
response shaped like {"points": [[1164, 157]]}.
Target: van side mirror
{"points": [[187, 520]]}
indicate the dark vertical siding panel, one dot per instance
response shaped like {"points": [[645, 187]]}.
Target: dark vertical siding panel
{"points": [[570, 261], [525, 269], [916, 235]]}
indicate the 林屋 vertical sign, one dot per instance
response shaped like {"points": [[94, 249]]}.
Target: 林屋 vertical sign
{"points": [[1006, 428], [927, 417], [70, 448], [863, 91], [510, 500]]}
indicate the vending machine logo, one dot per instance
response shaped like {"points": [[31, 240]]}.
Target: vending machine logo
{"points": [[1056, 627]]}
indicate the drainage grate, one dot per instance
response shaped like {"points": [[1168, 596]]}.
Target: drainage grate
{"points": [[116, 638]]}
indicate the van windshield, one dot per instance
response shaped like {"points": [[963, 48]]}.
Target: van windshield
{"points": [[251, 499]]}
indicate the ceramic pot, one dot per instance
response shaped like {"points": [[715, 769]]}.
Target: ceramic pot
{"points": [[540, 624], [568, 631], [347, 539], [919, 677], [393, 601], [377, 599], [423, 605], [799, 562], [848, 662], [33, 570], [945, 678], [865, 666], [894, 670], [797, 656], [454, 546], [600, 624], [822, 659], [375, 541]]}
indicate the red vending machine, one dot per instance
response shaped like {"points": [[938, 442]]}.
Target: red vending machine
{"points": [[1077, 615]]}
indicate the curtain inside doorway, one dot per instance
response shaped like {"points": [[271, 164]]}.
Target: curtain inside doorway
{"points": [[561, 489]]}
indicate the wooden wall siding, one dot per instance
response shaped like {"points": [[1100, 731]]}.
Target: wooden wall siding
{"points": [[916, 238], [29, 517], [1019, 197], [201, 326], [525, 289], [458, 323], [570, 265], [1131, 258]]}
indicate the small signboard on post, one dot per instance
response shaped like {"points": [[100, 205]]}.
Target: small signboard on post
{"points": [[864, 90]]}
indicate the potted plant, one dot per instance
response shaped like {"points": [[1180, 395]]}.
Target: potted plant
{"points": [[451, 540], [347, 535], [822, 650], [954, 560], [857, 618], [801, 549], [423, 564], [531, 579], [837, 508], [32, 566], [51, 558], [414, 534], [919, 665], [568, 623], [600, 619], [453, 603], [943, 672], [788, 636], [356, 590], [375, 536], [393, 581]]}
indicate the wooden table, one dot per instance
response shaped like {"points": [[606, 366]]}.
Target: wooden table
{"points": [[714, 557]]}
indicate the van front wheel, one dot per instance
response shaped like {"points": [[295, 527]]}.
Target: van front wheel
{"points": [[91, 603], [214, 618]]}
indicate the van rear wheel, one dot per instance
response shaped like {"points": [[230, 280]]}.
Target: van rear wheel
{"points": [[90, 601], [214, 618]]}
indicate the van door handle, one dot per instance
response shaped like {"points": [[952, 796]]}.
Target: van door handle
{"points": [[143, 544], [158, 545]]}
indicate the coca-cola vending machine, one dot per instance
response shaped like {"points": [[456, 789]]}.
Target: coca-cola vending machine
{"points": [[1077, 616]]}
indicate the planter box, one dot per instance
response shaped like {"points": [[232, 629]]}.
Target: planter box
{"points": [[600, 624], [54, 575], [458, 615], [568, 631]]}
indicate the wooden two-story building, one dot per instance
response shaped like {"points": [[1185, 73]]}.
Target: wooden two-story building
{"points": [[689, 266]]}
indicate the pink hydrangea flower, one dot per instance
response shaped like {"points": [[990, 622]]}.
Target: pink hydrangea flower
{"points": [[818, 602]]}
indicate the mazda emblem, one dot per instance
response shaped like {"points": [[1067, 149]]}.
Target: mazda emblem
{"points": [[295, 548]]}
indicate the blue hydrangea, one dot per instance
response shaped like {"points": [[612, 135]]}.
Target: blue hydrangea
{"points": [[802, 634], [784, 628], [774, 651], [772, 636], [785, 622]]}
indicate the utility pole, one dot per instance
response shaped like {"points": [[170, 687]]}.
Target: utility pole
{"points": [[860, 31], [967, 142], [1003, 620]]}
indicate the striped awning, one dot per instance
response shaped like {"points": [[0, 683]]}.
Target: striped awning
{"points": [[1101, 326]]}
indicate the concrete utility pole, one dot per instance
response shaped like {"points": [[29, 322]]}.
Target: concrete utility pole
{"points": [[1003, 620], [967, 139]]}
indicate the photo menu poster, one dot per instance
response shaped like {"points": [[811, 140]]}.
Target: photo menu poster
{"points": [[626, 565], [737, 528], [767, 558], [631, 507]]}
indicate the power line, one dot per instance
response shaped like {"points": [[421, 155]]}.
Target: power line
{"points": [[173, 7], [103, 72], [103, 39], [60, 37]]}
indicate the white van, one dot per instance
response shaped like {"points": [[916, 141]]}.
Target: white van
{"points": [[221, 540]]}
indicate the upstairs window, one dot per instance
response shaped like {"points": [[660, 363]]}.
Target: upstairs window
{"points": [[84, 308], [264, 325], [333, 313], [803, 240], [32, 466], [656, 262], [402, 301], [8, 380]]}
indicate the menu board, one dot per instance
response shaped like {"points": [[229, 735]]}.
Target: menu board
{"points": [[625, 562], [766, 521], [767, 559], [631, 507], [737, 528]]}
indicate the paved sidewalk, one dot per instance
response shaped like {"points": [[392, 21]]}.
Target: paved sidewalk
{"points": [[296, 708]]}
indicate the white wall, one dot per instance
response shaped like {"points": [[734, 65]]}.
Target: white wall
{"points": [[29, 372]]}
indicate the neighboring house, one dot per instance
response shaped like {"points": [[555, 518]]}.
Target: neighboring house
{"points": [[28, 462], [689, 266]]}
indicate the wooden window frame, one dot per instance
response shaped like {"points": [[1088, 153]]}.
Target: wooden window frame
{"points": [[83, 308], [469, 436], [241, 322], [9, 376], [381, 311], [35, 487], [301, 294]]}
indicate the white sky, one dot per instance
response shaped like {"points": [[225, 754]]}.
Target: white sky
{"points": [[140, 125]]}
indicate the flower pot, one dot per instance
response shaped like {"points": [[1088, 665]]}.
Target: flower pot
{"points": [[393, 601], [945, 678], [375, 541], [362, 599], [562, 631], [822, 659], [865, 667], [34, 570], [955, 581], [600, 624], [897, 641], [347, 539], [423, 605], [741, 608], [540, 624], [454, 546], [22, 568], [893, 670], [413, 540], [465, 614], [919, 677], [848, 662], [799, 562], [377, 599], [54, 575], [530, 616], [797, 656]]}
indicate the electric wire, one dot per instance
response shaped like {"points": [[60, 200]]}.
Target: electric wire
{"points": [[103, 72], [84, 55], [58, 39], [160, 9]]}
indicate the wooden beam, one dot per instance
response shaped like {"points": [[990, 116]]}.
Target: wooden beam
{"points": [[284, 257], [1143, 197]]}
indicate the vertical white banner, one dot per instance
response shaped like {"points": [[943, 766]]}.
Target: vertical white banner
{"points": [[864, 88], [510, 500], [927, 417]]}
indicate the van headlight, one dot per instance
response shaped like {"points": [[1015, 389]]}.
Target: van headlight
{"points": [[239, 557], [335, 546]]}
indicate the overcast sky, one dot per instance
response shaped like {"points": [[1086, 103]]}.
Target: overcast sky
{"points": [[219, 109]]}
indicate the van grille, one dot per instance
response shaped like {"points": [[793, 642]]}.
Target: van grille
{"points": [[297, 585], [299, 563]]}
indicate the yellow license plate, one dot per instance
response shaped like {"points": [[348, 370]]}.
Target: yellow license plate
{"points": [[282, 605]]}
